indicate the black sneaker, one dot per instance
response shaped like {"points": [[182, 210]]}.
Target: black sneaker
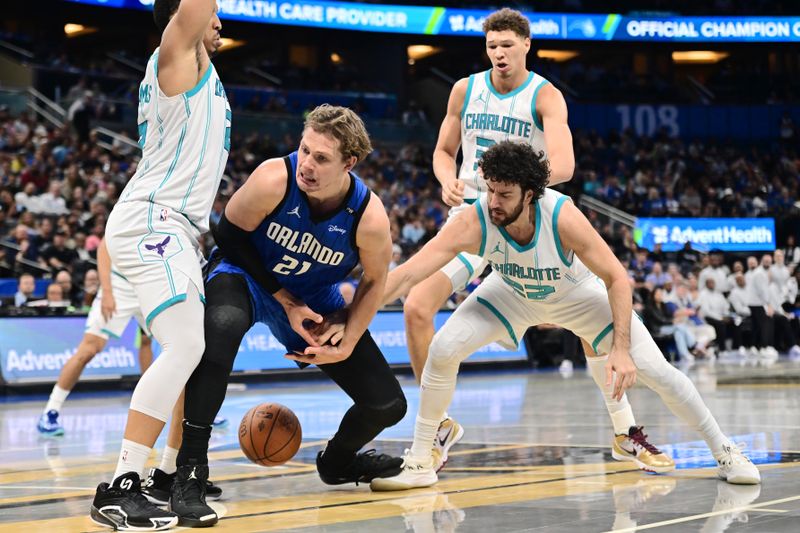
{"points": [[158, 485], [188, 498], [123, 507], [365, 467]]}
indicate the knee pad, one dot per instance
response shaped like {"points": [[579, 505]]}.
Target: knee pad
{"points": [[225, 326], [449, 344], [388, 414]]}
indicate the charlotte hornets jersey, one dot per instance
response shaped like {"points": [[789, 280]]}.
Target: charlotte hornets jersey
{"points": [[310, 255], [489, 117], [540, 270], [185, 140]]}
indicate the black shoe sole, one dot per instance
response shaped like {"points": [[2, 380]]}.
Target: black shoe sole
{"points": [[363, 479], [193, 522], [101, 520]]}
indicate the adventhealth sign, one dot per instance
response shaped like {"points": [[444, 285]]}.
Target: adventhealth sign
{"points": [[727, 234], [432, 20]]}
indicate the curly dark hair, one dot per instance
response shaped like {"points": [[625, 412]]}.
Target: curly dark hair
{"points": [[516, 162], [508, 19], [163, 11]]}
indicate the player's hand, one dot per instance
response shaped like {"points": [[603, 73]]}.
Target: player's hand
{"points": [[331, 329], [620, 363], [298, 314], [453, 192], [322, 355], [107, 305]]}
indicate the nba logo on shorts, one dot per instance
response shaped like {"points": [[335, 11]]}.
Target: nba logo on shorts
{"points": [[164, 215]]}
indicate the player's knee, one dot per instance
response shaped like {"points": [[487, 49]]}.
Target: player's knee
{"points": [[225, 325], [448, 346], [90, 346], [419, 309], [388, 414]]}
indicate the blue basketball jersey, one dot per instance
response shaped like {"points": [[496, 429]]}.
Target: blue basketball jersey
{"points": [[309, 254]]}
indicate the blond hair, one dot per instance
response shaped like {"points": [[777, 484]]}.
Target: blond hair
{"points": [[508, 19], [343, 125]]}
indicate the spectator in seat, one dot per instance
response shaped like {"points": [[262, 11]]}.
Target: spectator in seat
{"points": [[715, 310], [717, 271], [57, 255], [25, 287], [659, 318], [657, 277]]}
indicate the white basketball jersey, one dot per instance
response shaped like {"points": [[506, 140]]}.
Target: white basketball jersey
{"points": [[540, 270], [489, 117], [185, 140]]}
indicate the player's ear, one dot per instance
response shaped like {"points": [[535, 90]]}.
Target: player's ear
{"points": [[350, 162], [528, 195], [527, 44]]}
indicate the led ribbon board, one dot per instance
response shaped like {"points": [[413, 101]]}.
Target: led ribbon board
{"points": [[433, 20]]}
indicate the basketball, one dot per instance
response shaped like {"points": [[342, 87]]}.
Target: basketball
{"points": [[270, 434]]}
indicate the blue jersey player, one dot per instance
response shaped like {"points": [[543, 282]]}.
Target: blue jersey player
{"points": [[288, 236]]}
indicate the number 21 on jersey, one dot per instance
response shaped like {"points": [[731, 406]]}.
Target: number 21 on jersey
{"points": [[288, 264]]}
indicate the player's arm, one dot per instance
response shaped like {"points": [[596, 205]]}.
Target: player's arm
{"points": [[374, 242], [178, 67], [444, 155], [247, 208], [550, 105], [578, 235], [107, 303], [461, 234]]}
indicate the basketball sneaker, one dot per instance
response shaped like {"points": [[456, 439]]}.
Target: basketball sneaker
{"points": [[365, 467], [123, 507], [414, 474], [635, 448], [156, 488], [49, 425], [735, 467], [188, 497], [449, 433]]}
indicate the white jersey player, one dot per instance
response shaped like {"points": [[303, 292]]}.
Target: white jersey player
{"points": [[152, 235], [549, 266], [504, 103]]}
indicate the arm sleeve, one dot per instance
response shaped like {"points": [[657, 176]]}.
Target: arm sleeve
{"points": [[237, 246]]}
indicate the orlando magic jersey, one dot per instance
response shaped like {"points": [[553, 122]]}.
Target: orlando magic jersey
{"points": [[540, 270], [309, 255], [185, 140], [489, 117]]}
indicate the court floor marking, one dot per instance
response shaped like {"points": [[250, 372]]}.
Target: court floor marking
{"points": [[752, 507]]}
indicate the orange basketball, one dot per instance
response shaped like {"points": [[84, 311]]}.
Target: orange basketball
{"points": [[270, 434]]}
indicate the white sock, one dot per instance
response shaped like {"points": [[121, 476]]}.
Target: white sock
{"points": [[168, 457], [132, 458], [424, 433], [620, 411], [56, 400]]}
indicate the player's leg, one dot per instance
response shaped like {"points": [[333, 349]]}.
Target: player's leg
{"points": [[178, 329], [89, 346], [228, 316], [473, 325], [378, 403], [419, 310], [145, 351], [630, 442]]}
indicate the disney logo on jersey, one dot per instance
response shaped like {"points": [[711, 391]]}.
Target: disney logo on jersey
{"points": [[303, 243], [337, 229]]}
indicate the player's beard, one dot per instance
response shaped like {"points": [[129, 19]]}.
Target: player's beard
{"points": [[508, 219]]}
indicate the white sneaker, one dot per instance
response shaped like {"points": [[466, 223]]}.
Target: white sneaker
{"points": [[449, 433], [794, 352], [735, 467], [415, 474]]}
